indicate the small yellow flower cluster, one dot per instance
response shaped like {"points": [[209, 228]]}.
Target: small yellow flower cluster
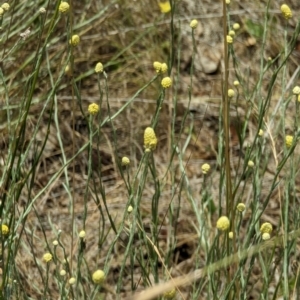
{"points": [[230, 235], [150, 140], [194, 24], [72, 281], [296, 90], [99, 67], [64, 7], [236, 26], [231, 33], [82, 234], [266, 229], [236, 83], [241, 207], [4, 229], [129, 209], [42, 10], [164, 6], [289, 141], [5, 6], [62, 273], [230, 93], [75, 40], [250, 164], [227, 1], [55, 243], [229, 39], [286, 11], [166, 82], [125, 161], [261, 132], [93, 109], [205, 168], [160, 67], [47, 257], [98, 277], [223, 223], [170, 294]]}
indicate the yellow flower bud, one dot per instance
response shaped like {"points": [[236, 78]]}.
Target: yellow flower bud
{"points": [[99, 67], [296, 90], [150, 140], [157, 66], [266, 236], [289, 141], [5, 6], [93, 109], [286, 11], [47, 257], [164, 68], [205, 168], [125, 161], [266, 228], [64, 7], [229, 39], [241, 207], [170, 294], [4, 229], [236, 26], [82, 234], [230, 235], [230, 93], [250, 164], [165, 6], [194, 24], [75, 40], [98, 277], [166, 82], [223, 223]]}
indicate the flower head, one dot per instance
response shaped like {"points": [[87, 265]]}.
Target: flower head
{"points": [[150, 140], [229, 39], [5, 6], [93, 109], [236, 83], [231, 33], [230, 93], [75, 40], [223, 223], [250, 164], [98, 277], [1, 11], [165, 6], [82, 234], [157, 66], [241, 207], [125, 161], [62, 273], [236, 26], [99, 67], [55, 243], [266, 236], [296, 90], [205, 168], [230, 235], [266, 228], [4, 229], [129, 209], [64, 7], [261, 132], [194, 24], [289, 141], [47, 257], [166, 82], [42, 10], [170, 294], [164, 67], [227, 1], [286, 11], [72, 281]]}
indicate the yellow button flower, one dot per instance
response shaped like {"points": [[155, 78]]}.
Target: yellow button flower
{"points": [[164, 6], [296, 90], [205, 168], [289, 141], [4, 229], [194, 24], [99, 67], [72, 281], [230, 235], [98, 277], [230, 93], [236, 26], [266, 228], [250, 164], [5, 6], [223, 223], [125, 161], [82, 234], [150, 140], [229, 39], [170, 294], [164, 68], [47, 257], [75, 40], [64, 7], [93, 109], [241, 207], [266, 236], [157, 66], [286, 11], [166, 82], [261, 132]]}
